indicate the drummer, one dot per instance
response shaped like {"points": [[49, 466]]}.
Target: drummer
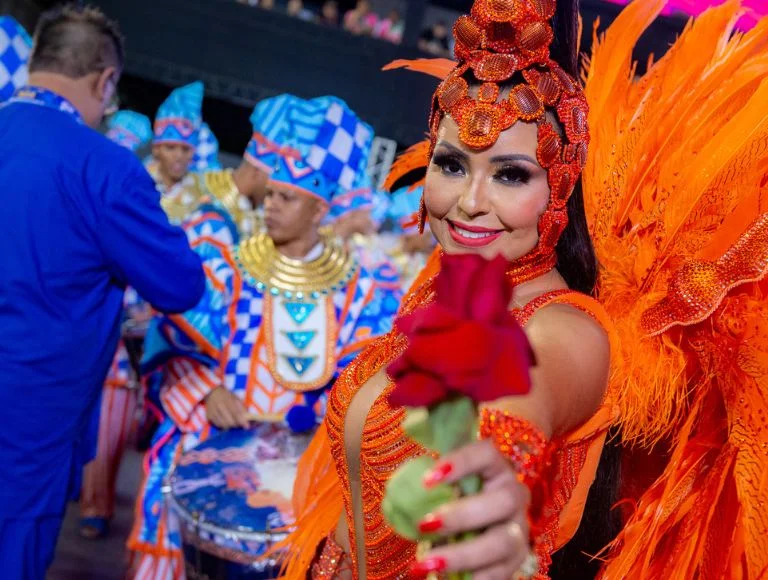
{"points": [[227, 209], [285, 311], [118, 402]]}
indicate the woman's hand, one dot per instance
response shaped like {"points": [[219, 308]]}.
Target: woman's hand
{"points": [[498, 514], [225, 410]]}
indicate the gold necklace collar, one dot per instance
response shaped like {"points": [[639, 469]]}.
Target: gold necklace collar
{"points": [[270, 271], [222, 187]]}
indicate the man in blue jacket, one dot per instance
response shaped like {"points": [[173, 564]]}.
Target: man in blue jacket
{"points": [[79, 219]]}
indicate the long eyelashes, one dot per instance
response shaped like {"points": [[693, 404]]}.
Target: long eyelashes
{"points": [[513, 174], [452, 166], [448, 164]]}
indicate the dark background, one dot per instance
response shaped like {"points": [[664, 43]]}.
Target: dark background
{"points": [[244, 54]]}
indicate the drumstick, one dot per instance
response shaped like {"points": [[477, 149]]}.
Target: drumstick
{"points": [[269, 418]]}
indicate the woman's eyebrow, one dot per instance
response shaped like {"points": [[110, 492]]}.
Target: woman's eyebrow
{"points": [[513, 157], [453, 149]]}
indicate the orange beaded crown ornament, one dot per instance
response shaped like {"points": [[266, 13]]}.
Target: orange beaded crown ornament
{"points": [[507, 42]]}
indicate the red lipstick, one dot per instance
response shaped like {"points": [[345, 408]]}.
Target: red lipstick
{"points": [[472, 236]]}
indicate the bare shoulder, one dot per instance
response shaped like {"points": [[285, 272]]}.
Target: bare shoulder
{"points": [[565, 323], [573, 360]]}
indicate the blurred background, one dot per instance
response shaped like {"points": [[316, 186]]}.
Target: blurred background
{"points": [[245, 50]]}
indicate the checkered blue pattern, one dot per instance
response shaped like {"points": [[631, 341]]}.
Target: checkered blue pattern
{"points": [[207, 152], [287, 119], [341, 145], [245, 332], [15, 48], [318, 145]]}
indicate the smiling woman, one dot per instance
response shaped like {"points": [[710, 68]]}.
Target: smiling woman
{"points": [[507, 143], [489, 201]]}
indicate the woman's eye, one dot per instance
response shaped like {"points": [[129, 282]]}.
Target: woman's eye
{"points": [[449, 165], [513, 175]]}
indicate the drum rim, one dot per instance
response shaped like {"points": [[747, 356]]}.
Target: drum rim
{"points": [[242, 533]]}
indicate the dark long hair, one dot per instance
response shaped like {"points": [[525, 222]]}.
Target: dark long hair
{"points": [[576, 259], [577, 263]]}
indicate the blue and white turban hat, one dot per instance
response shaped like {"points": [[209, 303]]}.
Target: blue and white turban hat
{"points": [[130, 129], [15, 48], [207, 153], [368, 199], [404, 207], [318, 146], [350, 201], [180, 117]]}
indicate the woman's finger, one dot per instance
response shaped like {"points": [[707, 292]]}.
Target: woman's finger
{"points": [[478, 512], [500, 572], [480, 458], [502, 545]]}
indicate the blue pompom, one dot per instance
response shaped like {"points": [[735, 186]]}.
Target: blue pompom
{"points": [[301, 419]]}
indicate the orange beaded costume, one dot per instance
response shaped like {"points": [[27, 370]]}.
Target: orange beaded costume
{"points": [[324, 490], [385, 446], [676, 195]]}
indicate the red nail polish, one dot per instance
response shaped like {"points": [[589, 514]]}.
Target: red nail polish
{"points": [[421, 569], [438, 475], [430, 524]]}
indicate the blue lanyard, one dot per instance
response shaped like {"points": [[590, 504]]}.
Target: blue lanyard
{"points": [[44, 98]]}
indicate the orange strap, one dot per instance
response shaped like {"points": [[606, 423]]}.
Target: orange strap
{"points": [[582, 447]]}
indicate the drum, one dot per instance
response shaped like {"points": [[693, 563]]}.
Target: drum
{"points": [[232, 495]]}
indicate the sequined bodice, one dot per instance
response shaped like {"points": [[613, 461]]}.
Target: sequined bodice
{"points": [[383, 447]]}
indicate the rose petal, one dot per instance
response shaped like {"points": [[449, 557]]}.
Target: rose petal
{"points": [[416, 390], [454, 282], [466, 341], [508, 374], [464, 348], [432, 318], [491, 292], [398, 368]]}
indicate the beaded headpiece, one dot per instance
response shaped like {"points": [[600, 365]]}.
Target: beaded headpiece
{"points": [[508, 42]]}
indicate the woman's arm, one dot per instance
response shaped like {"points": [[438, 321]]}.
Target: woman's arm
{"points": [[571, 373], [568, 383]]}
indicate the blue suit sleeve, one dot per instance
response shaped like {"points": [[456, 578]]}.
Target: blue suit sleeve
{"points": [[144, 249]]}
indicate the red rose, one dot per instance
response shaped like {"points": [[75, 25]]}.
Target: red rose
{"points": [[466, 342]]}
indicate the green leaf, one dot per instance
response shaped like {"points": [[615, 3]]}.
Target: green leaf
{"points": [[470, 485], [416, 424], [406, 501], [453, 424]]}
